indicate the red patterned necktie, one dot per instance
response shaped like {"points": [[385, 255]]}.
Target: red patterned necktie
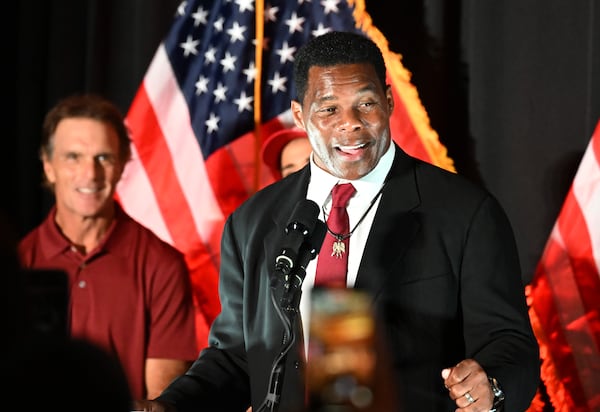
{"points": [[332, 264]]}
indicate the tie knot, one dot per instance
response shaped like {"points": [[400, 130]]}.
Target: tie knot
{"points": [[341, 194]]}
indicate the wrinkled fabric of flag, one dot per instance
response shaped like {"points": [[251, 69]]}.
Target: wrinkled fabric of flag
{"points": [[213, 92], [564, 295]]}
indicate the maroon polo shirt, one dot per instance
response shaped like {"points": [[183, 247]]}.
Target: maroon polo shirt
{"points": [[131, 295]]}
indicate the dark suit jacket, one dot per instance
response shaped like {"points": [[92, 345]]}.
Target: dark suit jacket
{"points": [[441, 265]]}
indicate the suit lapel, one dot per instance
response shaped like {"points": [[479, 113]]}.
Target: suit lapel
{"points": [[394, 226], [294, 189]]}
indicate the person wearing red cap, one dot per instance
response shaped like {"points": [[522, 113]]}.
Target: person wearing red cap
{"points": [[286, 151]]}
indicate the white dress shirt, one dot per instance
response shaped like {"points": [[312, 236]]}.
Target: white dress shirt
{"points": [[367, 189]]}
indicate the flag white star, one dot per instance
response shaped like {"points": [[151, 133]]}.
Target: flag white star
{"points": [[277, 83], [200, 16], [228, 62], [266, 42], [271, 13], [243, 103], [210, 55], [201, 85], [245, 5], [236, 32], [250, 72], [219, 93], [218, 24], [286, 53], [330, 6], [320, 30], [212, 123], [189, 46], [181, 8], [295, 23]]}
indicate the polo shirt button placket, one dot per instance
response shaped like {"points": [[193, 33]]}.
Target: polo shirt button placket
{"points": [[82, 283]]}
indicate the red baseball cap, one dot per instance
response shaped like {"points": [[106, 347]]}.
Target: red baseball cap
{"points": [[273, 145]]}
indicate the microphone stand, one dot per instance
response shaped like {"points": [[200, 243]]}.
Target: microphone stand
{"points": [[287, 310]]}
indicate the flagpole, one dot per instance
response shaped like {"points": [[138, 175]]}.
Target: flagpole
{"points": [[258, 50]]}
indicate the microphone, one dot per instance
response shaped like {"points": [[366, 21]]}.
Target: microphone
{"points": [[302, 223], [290, 300], [308, 252]]}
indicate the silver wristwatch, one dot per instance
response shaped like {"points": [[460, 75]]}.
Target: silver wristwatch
{"points": [[498, 395]]}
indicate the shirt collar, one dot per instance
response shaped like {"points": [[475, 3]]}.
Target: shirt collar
{"points": [[58, 243]]}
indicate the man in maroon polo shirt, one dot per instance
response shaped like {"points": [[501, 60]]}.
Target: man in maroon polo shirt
{"points": [[129, 291]]}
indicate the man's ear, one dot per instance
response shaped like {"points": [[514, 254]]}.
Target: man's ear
{"points": [[48, 168], [296, 108], [390, 98]]}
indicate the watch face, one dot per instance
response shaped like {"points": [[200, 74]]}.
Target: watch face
{"points": [[498, 393]]}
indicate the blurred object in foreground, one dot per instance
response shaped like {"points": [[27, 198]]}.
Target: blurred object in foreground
{"points": [[347, 368]]}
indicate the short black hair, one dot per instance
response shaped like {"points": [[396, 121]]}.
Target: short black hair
{"points": [[334, 48]]}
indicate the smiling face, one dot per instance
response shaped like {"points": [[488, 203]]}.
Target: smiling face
{"points": [[84, 167], [345, 113]]}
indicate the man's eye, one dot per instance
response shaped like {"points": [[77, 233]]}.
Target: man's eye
{"points": [[327, 110], [104, 158]]}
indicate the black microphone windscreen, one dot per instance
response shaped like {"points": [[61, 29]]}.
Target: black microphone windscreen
{"points": [[302, 223], [318, 235], [304, 216]]}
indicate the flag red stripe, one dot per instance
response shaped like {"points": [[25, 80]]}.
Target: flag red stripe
{"points": [[555, 312], [136, 195], [172, 207], [554, 347], [154, 155], [582, 235], [232, 169], [576, 235], [404, 132], [172, 115], [204, 275]]}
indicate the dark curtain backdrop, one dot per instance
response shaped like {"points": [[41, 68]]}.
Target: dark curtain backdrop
{"points": [[512, 87]]}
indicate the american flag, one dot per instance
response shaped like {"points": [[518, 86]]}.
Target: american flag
{"points": [[564, 295], [218, 84]]}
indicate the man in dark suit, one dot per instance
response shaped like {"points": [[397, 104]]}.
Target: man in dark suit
{"points": [[435, 253]]}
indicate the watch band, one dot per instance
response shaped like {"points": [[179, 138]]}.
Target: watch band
{"points": [[498, 395]]}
